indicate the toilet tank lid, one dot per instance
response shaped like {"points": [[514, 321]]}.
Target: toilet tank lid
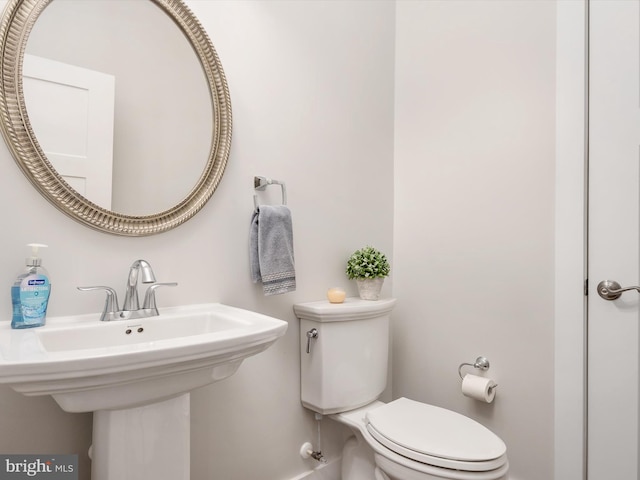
{"points": [[353, 308], [435, 431]]}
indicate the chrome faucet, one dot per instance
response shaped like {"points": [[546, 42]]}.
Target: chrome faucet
{"points": [[131, 307], [131, 301]]}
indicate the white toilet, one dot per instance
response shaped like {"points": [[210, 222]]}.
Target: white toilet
{"points": [[344, 358]]}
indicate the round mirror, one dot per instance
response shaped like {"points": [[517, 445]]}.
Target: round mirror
{"points": [[118, 112]]}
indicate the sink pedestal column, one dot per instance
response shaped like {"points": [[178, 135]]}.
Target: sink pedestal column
{"points": [[152, 441]]}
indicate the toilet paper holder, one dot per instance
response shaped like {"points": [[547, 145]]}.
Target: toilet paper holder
{"points": [[481, 363]]}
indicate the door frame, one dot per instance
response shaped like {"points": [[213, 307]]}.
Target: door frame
{"points": [[571, 208]]}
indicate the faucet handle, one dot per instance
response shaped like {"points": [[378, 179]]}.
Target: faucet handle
{"points": [[150, 296], [111, 302]]}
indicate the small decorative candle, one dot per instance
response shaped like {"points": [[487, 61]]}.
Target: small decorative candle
{"points": [[336, 295]]}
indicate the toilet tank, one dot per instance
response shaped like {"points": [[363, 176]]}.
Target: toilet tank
{"points": [[346, 364]]}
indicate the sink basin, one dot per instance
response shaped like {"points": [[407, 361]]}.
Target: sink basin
{"points": [[88, 365], [123, 334]]}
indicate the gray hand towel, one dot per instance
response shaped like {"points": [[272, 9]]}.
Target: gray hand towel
{"points": [[271, 249]]}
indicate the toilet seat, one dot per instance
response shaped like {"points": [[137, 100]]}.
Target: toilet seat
{"points": [[435, 436]]}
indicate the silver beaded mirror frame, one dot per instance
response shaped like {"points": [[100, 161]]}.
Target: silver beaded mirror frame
{"points": [[17, 22]]}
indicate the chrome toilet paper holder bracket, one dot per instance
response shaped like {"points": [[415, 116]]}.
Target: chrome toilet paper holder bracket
{"points": [[481, 363]]}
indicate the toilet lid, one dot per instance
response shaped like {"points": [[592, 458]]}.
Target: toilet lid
{"points": [[425, 432]]}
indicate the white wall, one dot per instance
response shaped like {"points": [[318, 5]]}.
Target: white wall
{"points": [[474, 221], [312, 92]]}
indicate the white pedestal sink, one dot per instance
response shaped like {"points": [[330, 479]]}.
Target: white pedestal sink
{"points": [[146, 442], [133, 375]]}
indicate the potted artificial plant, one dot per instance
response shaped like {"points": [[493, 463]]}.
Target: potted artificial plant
{"points": [[368, 266]]}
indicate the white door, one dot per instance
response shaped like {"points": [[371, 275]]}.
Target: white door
{"points": [[71, 112], [614, 241]]}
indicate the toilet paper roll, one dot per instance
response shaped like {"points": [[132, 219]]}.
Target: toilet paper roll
{"points": [[478, 388]]}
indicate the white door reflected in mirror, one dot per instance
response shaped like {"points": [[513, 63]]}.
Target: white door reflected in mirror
{"points": [[71, 112]]}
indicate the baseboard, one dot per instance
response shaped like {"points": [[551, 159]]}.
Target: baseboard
{"points": [[327, 471], [331, 471]]}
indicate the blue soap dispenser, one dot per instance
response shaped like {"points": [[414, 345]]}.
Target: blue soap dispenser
{"points": [[30, 292]]}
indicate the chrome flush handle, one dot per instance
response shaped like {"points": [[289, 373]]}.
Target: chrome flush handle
{"points": [[313, 333]]}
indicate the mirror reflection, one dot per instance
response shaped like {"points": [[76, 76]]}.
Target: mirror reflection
{"points": [[119, 103]]}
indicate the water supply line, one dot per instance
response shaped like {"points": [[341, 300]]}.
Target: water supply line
{"points": [[307, 450], [318, 417]]}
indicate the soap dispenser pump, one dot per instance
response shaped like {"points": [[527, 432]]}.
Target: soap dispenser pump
{"points": [[30, 292]]}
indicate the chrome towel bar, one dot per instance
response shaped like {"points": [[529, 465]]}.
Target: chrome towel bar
{"points": [[261, 183]]}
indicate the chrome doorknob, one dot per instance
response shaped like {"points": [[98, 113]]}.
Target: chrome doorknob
{"points": [[610, 289]]}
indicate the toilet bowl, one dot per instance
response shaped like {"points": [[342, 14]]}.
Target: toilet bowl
{"points": [[344, 362], [409, 440]]}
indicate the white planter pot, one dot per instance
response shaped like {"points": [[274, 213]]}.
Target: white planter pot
{"points": [[369, 288]]}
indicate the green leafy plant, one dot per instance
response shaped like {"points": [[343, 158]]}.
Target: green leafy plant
{"points": [[367, 262]]}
